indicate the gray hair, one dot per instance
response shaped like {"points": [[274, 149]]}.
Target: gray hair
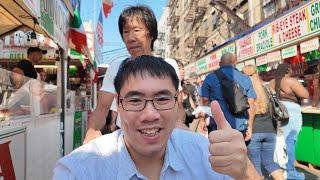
{"points": [[227, 59]]}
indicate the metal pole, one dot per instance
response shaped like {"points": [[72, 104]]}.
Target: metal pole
{"points": [[63, 107]]}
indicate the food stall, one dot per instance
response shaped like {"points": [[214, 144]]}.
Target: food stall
{"points": [[292, 38], [32, 112]]}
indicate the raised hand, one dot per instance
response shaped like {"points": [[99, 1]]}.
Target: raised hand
{"points": [[227, 148]]}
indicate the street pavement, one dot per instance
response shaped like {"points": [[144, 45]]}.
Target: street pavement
{"points": [[309, 173]]}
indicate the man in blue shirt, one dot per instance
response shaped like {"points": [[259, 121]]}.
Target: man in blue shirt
{"points": [[147, 146], [211, 91]]}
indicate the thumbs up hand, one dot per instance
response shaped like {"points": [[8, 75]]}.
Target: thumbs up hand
{"points": [[228, 152]]}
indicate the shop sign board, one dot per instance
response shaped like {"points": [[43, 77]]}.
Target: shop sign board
{"points": [[47, 15], [190, 68], [289, 52], [290, 27], [213, 62], [310, 45], [245, 47], [274, 56], [202, 65], [231, 48], [18, 53], [34, 6], [12, 150], [263, 40], [302, 22], [261, 60], [250, 62], [55, 20], [61, 24], [240, 66], [213, 59]]}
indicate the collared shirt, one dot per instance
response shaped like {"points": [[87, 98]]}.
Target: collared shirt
{"points": [[211, 89], [186, 157]]}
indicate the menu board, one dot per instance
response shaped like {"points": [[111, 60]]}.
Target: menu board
{"points": [[300, 23]]}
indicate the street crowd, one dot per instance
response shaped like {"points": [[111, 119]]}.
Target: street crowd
{"points": [[151, 123]]}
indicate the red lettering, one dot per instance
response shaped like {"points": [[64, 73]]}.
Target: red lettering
{"points": [[245, 42], [291, 34], [7, 171], [303, 15]]}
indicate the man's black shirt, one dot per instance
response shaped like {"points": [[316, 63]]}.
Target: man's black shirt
{"points": [[28, 69]]}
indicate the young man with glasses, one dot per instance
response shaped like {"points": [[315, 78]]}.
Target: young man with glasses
{"points": [[148, 146]]}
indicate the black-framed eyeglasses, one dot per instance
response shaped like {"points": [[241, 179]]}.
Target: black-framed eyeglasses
{"points": [[138, 104]]}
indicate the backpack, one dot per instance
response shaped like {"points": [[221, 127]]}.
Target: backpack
{"points": [[233, 95]]}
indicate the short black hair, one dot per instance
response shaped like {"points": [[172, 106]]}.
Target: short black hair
{"points": [[35, 49], [28, 68], [180, 64], [145, 66], [143, 13]]}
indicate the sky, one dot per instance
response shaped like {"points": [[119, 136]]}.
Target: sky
{"points": [[113, 45]]}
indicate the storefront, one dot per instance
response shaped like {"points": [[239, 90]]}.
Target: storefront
{"points": [[210, 62], [32, 112], [286, 39], [294, 39]]}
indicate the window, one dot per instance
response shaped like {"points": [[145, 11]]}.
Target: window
{"points": [[205, 25], [269, 8], [185, 3]]}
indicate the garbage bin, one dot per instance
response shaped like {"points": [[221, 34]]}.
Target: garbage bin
{"points": [[305, 141]]}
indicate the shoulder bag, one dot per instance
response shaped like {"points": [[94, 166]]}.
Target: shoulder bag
{"points": [[279, 112]]}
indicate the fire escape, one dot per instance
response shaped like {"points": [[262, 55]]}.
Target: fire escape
{"points": [[197, 38], [224, 6]]}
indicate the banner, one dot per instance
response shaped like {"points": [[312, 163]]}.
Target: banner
{"points": [[245, 47], [55, 20], [261, 60], [214, 58], [190, 68], [240, 66], [202, 65], [250, 62], [310, 45], [274, 56], [298, 24], [289, 52]]}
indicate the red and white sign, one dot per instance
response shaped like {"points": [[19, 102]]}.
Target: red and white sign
{"points": [[245, 47], [190, 68], [250, 62], [274, 56], [310, 45], [261, 60], [290, 27], [300, 23], [12, 151], [213, 62]]}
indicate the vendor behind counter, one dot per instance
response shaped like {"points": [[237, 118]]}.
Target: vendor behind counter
{"points": [[312, 78]]}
